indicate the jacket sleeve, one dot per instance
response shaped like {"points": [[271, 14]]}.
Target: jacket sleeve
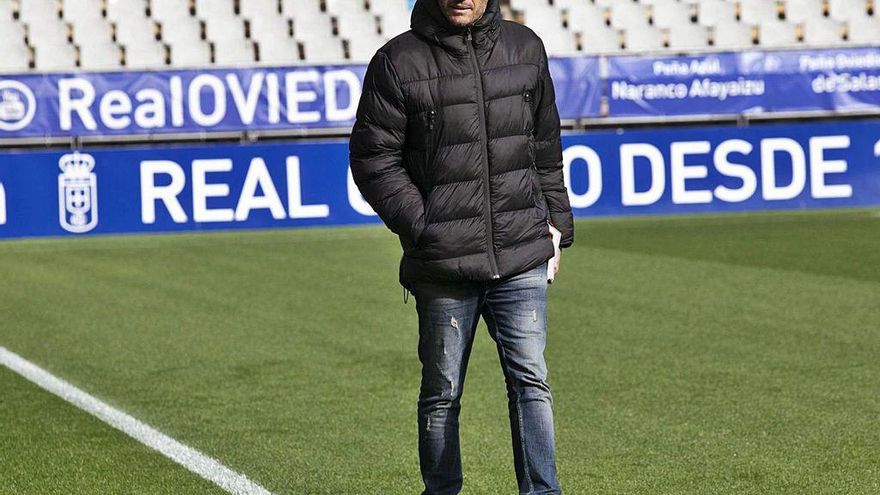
{"points": [[548, 154], [376, 152]]}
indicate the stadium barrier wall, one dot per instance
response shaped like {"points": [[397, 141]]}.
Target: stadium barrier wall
{"points": [[303, 183], [745, 83], [751, 83], [220, 100]]}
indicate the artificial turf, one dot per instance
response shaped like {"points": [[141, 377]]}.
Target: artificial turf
{"points": [[731, 354]]}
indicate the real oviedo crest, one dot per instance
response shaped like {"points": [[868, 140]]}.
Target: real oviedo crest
{"points": [[17, 105], [77, 193]]}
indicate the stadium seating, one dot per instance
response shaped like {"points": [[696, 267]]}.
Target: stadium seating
{"points": [[16, 58], [113, 34], [800, 11], [150, 55], [714, 12], [846, 10], [733, 35], [864, 30]]}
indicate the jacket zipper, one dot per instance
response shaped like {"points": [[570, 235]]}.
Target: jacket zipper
{"points": [[484, 139], [426, 172]]}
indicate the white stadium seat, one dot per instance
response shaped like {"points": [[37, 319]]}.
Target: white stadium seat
{"points": [[224, 28], [91, 34], [627, 14], [181, 30], [279, 52], [844, 10], [584, 17], [81, 11], [392, 25], [389, 12], [146, 56], [232, 52], [644, 38], [250, 9], [323, 51], [343, 5], [670, 13], [316, 28], [269, 28], [543, 17], [777, 34], [714, 12], [688, 37], [48, 32], [559, 41], [134, 30], [757, 11], [357, 24], [16, 57], [732, 35], [363, 50], [35, 11], [214, 8], [799, 11], [166, 10], [6, 10], [823, 31], [302, 9], [52, 58], [864, 30], [604, 40], [11, 32], [119, 9], [100, 57], [190, 55], [379, 6]]}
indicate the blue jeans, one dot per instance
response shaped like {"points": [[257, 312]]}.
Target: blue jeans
{"points": [[514, 309]]}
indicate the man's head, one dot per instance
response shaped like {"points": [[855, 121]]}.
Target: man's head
{"points": [[461, 13]]}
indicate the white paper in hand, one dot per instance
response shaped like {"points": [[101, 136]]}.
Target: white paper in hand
{"points": [[553, 264]]}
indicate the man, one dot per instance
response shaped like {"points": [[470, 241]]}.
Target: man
{"points": [[456, 146]]}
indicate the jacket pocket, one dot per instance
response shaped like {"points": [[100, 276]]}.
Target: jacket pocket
{"points": [[538, 200], [528, 99], [430, 137], [416, 243], [530, 149]]}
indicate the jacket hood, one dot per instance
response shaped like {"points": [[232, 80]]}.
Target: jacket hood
{"points": [[428, 20]]}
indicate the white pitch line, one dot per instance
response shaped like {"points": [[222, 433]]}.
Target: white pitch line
{"points": [[188, 457]]}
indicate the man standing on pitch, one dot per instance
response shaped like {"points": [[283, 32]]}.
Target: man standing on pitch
{"points": [[456, 146]]}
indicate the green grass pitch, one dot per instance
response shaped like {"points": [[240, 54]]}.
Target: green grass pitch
{"points": [[734, 354]]}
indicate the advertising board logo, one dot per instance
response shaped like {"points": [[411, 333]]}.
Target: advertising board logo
{"points": [[77, 193], [17, 105]]}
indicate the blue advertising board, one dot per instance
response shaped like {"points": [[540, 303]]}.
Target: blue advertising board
{"points": [[310, 97], [131, 103], [301, 183], [235, 100], [724, 168], [846, 79]]}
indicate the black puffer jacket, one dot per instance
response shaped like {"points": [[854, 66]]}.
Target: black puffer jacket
{"points": [[456, 147]]}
